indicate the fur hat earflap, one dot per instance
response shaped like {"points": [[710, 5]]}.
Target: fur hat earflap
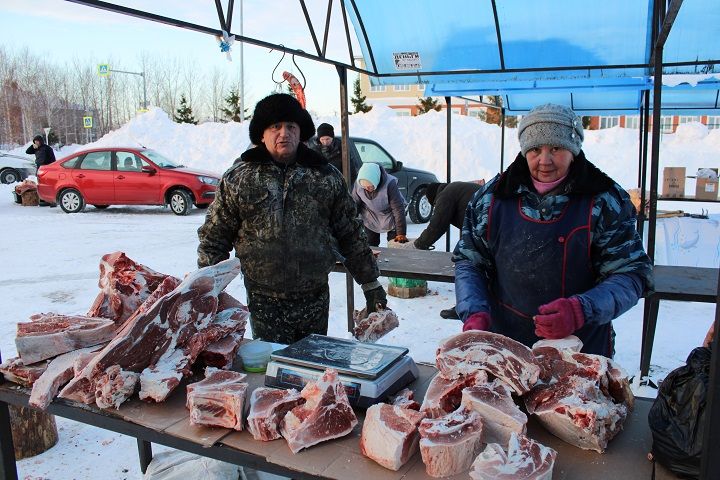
{"points": [[280, 107]]}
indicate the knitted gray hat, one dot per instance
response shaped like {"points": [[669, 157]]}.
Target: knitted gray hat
{"points": [[551, 124]]}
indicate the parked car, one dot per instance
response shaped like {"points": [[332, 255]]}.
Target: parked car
{"points": [[412, 182], [124, 176], [15, 168]]}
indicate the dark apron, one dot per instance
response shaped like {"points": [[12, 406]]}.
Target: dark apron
{"points": [[537, 262]]}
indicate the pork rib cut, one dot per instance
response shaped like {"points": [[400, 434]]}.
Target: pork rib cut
{"points": [[177, 320], [48, 335], [503, 357], [218, 400], [375, 326], [58, 373], [449, 444], [525, 459], [268, 407], [326, 414], [15, 370], [443, 395], [124, 286], [494, 403], [390, 435]]}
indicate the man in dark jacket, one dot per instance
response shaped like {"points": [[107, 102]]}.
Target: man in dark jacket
{"points": [[44, 155], [449, 201], [331, 147], [285, 210]]}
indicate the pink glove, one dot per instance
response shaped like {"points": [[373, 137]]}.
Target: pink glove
{"points": [[477, 321], [559, 318]]}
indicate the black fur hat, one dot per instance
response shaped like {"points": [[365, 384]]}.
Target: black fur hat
{"points": [[280, 107], [39, 137]]}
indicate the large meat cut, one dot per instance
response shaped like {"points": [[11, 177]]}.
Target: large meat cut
{"points": [[172, 331], [501, 417], [268, 407], [325, 415], [525, 459], [498, 355], [58, 373], [218, 400], [449, 444], [585, 399], [124, 286], [443, 395], [48, 335], [390, 435]]}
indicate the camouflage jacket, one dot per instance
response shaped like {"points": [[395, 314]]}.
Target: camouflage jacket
{"points": [[622, 269], [284, 222]]}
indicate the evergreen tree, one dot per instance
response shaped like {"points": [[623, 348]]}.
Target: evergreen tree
{"points": [[232, 111], [358, 99], [428, 103], [184, 112]]}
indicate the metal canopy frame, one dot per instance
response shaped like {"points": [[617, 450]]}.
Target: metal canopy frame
{"points": [[664, 14]]}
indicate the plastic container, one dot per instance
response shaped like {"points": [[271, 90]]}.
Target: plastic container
{"points": [[255, 356]]}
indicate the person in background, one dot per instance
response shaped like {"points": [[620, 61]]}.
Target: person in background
{"points": [[549, 247], [449, 201], [284, 210], [44, 154], [331, 147], [380, 203]]}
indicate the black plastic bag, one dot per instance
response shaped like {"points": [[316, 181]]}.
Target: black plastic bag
{"points": [[677, 417]]}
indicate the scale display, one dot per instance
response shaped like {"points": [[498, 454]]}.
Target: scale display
{"points": [[346, 356]]}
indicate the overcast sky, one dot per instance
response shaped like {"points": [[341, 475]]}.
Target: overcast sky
{"points": [[64, 30]]}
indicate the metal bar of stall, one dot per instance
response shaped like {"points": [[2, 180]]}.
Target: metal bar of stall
{"points": [[645, 122], [144, 453], [345, 138], [448, 161], [709, 462], [502, 139]]}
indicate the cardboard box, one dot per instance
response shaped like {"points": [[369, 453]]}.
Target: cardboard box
{"points": [[707, 188], [673, 182]]}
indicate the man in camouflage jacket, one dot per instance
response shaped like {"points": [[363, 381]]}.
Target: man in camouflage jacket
{"points": [[534, 264], [285, 211]]}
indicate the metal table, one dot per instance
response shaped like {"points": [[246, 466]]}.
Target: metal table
{"points": [[413, 264]]}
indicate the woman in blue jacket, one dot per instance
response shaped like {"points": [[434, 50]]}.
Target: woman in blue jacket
{"points": [[380, 203], [549, 247]]}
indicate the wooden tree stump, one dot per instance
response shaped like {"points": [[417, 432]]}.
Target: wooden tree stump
{"points": [[33, 431]]}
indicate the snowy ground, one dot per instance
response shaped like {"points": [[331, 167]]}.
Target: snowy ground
{"points": [[50, 259]]}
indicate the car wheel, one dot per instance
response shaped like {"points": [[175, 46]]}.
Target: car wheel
{"points": [[71, 201], [101, 207], [10, 175], [420, 209], [180, 202]]}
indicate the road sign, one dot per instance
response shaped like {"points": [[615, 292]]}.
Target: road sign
{"points": [[103, 69], [87, 122]]}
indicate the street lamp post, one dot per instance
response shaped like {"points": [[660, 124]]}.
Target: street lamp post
{"points": [[141, 74]]}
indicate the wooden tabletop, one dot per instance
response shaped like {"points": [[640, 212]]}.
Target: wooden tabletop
{"points": [[691, 284], [413, 264]]}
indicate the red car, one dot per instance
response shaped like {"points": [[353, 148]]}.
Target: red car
{"points": [[124, 176]]}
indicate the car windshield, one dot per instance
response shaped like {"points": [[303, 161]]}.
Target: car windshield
{"points": [[160, 160]]}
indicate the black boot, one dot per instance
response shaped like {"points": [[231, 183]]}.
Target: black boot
{"points": [[449, 313]]}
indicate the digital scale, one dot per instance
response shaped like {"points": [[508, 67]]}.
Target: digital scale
{"points": [[368, 371]]}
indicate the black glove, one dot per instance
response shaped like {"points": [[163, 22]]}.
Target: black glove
{"points": [[376, 298]]}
